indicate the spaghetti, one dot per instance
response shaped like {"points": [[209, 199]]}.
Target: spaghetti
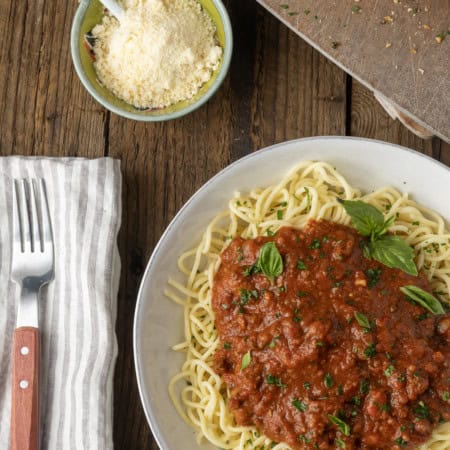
{"points": [[309, 191]]}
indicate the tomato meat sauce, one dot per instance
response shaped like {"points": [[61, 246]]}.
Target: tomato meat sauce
{"points": [[330, 353]]}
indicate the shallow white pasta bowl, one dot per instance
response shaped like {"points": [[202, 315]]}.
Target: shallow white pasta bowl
{"points": [[158, 323]]}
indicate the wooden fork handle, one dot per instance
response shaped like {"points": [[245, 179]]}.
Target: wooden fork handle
{"points": [[25, 390]]}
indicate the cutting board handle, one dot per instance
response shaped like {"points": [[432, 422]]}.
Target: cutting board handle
{"points": [[25, 390]]}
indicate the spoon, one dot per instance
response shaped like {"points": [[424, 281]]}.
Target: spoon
{"points": [[115, 9]]}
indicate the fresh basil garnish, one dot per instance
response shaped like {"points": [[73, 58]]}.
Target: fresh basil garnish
{"points": [[392, 251], [342, 426], [423, 298], [367, 219], [246, 360], [270, 261]]}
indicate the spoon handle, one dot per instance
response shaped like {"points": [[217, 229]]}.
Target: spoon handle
{"points": [[115, 9]]}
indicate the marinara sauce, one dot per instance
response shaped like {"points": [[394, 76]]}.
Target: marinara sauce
{"points": [[329, 354]]}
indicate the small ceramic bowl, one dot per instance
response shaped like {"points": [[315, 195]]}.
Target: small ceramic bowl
{"points": [[90, 13]]}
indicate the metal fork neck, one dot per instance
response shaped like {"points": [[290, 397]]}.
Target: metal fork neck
{"points": [[28, 311]]}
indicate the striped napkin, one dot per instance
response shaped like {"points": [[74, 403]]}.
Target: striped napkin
{"points": [[78, 309]]}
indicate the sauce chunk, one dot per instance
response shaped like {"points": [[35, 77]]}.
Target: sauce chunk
{"points": [[329, 354]]}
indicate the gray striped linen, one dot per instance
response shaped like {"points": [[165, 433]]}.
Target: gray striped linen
{"points": [[78, 309]]}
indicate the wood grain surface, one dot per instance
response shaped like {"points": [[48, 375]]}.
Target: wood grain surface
{"points": [[278, 88], [25, 390], [396, 48]]}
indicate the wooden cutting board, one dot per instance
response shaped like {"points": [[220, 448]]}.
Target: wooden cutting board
{"points": [[400, 49]]}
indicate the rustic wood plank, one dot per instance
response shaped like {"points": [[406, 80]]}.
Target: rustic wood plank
{"points": [[444, 152], [44, 109], [389, 46], [368, 119], [163, 164], [298, 92]]}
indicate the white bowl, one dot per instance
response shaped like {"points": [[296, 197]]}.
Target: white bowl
{"points": [[158, 322]]}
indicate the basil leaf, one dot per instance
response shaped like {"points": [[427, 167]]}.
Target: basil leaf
{"points": [[363, 320], [423, 298], [366, 218], [387, 223], [270, 261], [342, 426], [394, 252], [246, 360]]}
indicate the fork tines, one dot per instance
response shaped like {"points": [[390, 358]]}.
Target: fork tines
{"points": [[31, 221]]}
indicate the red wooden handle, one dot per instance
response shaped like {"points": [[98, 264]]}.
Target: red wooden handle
{"points": [[25, 390]]}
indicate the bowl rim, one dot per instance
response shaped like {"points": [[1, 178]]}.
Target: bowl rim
{"points": [[226, 60], [137, 320]]}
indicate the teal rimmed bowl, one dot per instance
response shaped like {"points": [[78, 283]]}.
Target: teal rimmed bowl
{"points": [[90, 13]]}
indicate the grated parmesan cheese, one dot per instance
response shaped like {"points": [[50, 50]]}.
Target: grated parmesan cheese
{"points": [[160, 53]]}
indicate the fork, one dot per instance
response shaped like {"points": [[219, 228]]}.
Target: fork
{"points": [[32, 266]]}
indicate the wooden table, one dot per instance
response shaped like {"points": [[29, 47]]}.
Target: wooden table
{"points": [[278, 88]]}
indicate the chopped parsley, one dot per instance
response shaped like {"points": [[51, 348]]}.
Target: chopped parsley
{"points": [[370, 351], [315, 244], [251, 270], [297, 319], [303, 438], [247, 295], [227, 346], [279, 214], [301, 265], [299, 404], [270, 379], [422, 411], [343, 427], [307, 385], [328, 380], [373, 276], [389, 371], [364, 387], [400, 441]]}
